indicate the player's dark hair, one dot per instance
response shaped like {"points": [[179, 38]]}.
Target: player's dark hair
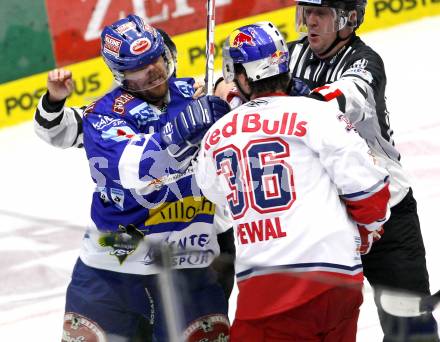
{"points": [[171, 45], [168, 42], [271, 84], [219, 80]]}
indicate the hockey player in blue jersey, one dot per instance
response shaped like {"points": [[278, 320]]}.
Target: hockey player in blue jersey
{"points": [[143, 200]]}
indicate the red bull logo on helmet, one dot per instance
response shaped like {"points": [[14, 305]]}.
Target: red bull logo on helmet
{"points": [[278, 57], [238, 38]]}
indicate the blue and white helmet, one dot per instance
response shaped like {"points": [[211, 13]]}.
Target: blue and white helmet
{"points": [[260, 48], [130, 44]]}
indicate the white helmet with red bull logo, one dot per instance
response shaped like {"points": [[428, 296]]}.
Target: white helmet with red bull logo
{"points": [[259, 48]]}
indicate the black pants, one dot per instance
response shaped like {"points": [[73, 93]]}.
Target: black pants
{"points": [[397, 261]]}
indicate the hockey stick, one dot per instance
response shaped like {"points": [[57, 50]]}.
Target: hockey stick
{"points": [[210, 47], [408, 305], [171, 304]]}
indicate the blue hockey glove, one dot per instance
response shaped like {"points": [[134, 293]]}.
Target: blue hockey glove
{"points": [[183, 134], [298, 88]]}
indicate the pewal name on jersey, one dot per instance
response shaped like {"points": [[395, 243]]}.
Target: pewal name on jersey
{"points": [[260, 230], [251, 123]]}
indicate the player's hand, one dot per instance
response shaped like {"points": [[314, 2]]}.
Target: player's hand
{"points": [[234, 98], [229, 93], [368, 237], [298, 88], [183, 134], [59, 84], [199, 89], [222, 89]]}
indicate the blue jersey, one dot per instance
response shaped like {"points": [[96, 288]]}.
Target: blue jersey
{"points": [[140, 194]]}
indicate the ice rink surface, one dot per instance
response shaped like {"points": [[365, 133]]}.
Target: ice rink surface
{"points": [[46, 192]]}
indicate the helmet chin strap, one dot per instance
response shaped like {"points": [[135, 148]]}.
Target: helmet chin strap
{"points": [[337, 40], [242, 92]]}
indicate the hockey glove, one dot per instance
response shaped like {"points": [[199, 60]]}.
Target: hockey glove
{"points": [[367, 238], [234, 98], [183, 134], [298, 88], [229, 93]]}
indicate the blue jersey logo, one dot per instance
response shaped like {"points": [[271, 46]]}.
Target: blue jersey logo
{"points": [[185, 89], [143, 114]]}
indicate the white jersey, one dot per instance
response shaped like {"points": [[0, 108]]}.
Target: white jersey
{"points": [[355, 77], [285, 166], [360, 109]]}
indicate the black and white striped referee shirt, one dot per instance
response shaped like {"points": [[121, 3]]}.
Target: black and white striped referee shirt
{"points": [[357, 72]]}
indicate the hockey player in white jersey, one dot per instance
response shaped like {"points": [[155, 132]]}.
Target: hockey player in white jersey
{"points": [[337, 64], [305, 195]]}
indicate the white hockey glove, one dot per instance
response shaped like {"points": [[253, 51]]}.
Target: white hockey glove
{"points": [[367, 238]]}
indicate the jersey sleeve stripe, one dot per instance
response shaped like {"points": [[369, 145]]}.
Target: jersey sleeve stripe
{"points": [[367, 192], [47, 124], [79, 131], [371, 209], [301, 267]]}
